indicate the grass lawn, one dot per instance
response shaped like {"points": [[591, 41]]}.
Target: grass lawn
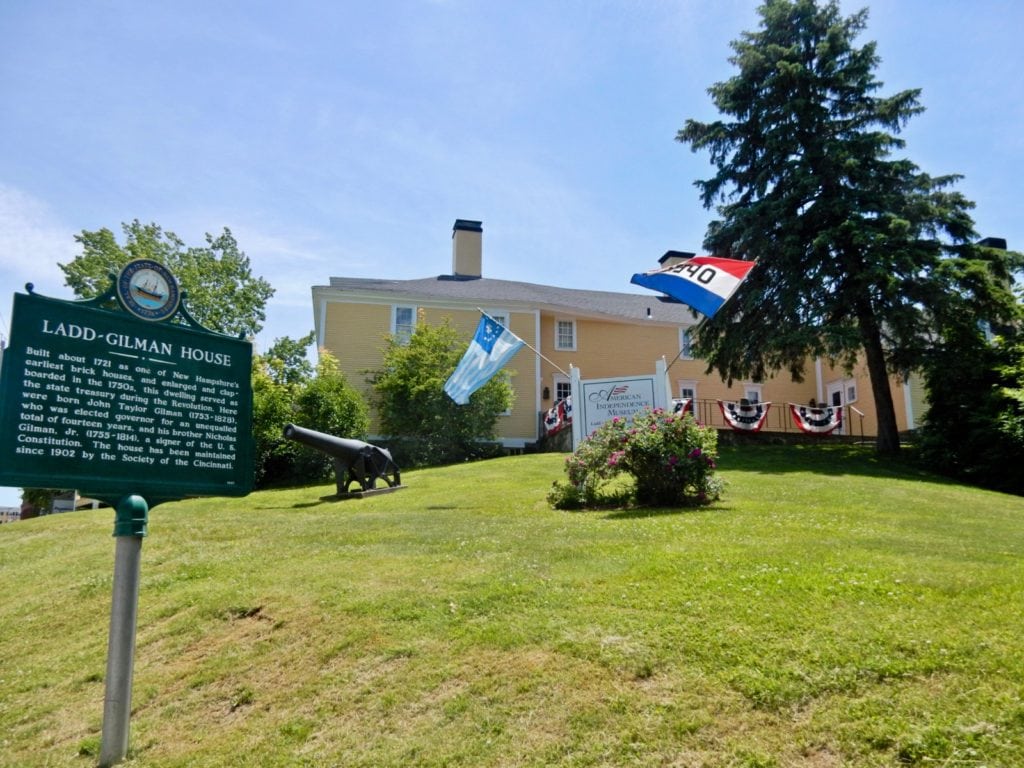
{"points": [[829, 611]]}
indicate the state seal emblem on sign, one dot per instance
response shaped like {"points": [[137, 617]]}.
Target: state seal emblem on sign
{"points": [[148, 290]]}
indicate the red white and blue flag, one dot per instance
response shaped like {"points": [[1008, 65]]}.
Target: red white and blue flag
{"points": [[703, 282], [816, 421], [744, 417], [491, 347]]}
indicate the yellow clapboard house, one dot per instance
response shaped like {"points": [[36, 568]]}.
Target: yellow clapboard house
{"points": [[604, 334]]}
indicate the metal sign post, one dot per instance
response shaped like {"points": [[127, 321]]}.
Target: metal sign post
{"points": [[129, 529]]}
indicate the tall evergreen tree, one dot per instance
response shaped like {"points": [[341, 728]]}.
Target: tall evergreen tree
{"points": [[858, 251]]}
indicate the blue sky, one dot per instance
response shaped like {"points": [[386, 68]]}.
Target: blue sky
{"points": [[344, 139]]}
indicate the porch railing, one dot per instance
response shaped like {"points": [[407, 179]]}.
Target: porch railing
{"points": [[779, 419]]}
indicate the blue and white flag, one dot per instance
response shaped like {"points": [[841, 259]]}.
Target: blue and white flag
{"points": [[703, 282], [491, 347]]}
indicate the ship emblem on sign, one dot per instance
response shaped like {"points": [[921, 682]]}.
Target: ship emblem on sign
{"points": [[148, 290]]}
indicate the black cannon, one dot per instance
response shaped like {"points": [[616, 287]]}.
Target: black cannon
{"points": [[354, 460]]}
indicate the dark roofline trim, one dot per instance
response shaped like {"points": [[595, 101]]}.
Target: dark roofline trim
{"points": [[606, 305]]}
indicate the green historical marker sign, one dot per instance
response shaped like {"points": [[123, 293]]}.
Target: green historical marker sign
{"points": [[131, 408], [110, 403]]}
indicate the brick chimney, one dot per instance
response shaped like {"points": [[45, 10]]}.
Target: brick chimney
{"points": [[467, 248]]}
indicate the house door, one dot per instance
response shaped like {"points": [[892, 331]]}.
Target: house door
{"points": [[834, 395]]}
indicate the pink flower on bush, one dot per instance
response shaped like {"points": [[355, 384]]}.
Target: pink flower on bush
{"points": [[694, 453]]}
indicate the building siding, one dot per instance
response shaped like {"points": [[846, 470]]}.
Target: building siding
{"points": [[520, 425], [356, 334], [356, 331], [605, 349], [616, 334], [860, 416], [918, 396]]}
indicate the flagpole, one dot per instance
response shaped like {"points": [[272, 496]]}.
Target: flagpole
{"points": [[693, 332], [539, 354], [678, 355]]}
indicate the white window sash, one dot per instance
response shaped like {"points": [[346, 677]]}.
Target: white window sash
{"points": [[559, 345]]}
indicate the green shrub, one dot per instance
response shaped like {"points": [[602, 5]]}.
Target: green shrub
{"points": [[328, 403], [410, 452], [325, 402], [278, 376], [420, 421], [272, 408], [565, 496], [671, 459]]}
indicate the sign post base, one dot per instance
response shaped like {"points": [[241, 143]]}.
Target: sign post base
{"points": [[129, 530]]}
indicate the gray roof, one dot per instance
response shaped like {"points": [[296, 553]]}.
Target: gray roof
{"points": [[483, 290]]}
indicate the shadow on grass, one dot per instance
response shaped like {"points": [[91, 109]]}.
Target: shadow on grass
{"points": [[639, 513], [827, 459], [626, 509], [823, 459]]}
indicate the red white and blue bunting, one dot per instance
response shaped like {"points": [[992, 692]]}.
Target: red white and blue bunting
{"points": [[816, 421], [558, 417], [744, 417], [683, 406]]}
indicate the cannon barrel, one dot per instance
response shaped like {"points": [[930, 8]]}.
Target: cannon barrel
{"points": [[338, 447], [354, 460]]}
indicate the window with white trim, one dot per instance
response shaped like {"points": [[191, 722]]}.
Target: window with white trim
{"points": [[499, 317], [688, 389], [565, 335], [562, 387], [685, 344], [403, 323], [752, 392]]}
